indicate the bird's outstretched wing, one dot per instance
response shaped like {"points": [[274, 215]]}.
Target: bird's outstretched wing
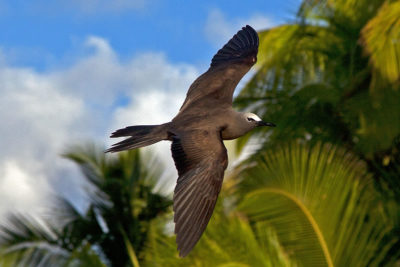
{"points": [[201, 159], [227, 68], [243, 47]]}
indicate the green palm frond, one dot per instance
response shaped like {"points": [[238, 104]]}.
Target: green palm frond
{"points": [[320, 201], [381, 40], [228, 241], [289, 87], [124, 199], [288, 56], [28, 241], [128, 178]]}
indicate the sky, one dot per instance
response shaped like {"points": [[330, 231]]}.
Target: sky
{"points": [[73, 71]]}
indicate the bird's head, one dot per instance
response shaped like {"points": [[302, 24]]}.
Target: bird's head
{"points": [[254, 121]]}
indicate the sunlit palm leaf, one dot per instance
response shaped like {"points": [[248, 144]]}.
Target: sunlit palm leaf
{"points": [[381, 39], [228, 241], [321, 203]]}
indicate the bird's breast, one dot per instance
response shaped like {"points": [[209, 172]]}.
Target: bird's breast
{"points": [[229, 133]]}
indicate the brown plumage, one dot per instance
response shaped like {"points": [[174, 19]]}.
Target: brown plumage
{"points": [[204, 120]]}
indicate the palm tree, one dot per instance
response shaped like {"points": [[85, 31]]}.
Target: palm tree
{"points": [[113, 230], [333, 76], [30, 241]]}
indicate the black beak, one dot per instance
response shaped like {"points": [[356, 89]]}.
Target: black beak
{"points": [[263, 123]]}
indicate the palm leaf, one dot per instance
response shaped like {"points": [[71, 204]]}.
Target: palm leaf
{"points": [[228, 241], [48, 241], [380, 38], [28, 241], [321, 203], [124, 199]]}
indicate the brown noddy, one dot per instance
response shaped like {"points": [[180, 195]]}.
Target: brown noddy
{"points": [[204, 120]]}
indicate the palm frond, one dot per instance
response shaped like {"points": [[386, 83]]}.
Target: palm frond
{"points": [[228, 241], [381, 40], [124, 199], [321, 202], [52, 240], [27, 241]]}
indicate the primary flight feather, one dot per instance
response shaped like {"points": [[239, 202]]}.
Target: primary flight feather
{"points": [[204, 120]]}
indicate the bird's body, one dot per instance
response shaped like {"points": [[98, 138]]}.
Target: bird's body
{"points": [[204, 120]]}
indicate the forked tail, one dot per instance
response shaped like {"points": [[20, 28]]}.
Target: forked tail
{"points": [[140, 136]]}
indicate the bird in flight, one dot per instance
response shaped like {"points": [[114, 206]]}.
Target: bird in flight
{"points": [[205, 119]]}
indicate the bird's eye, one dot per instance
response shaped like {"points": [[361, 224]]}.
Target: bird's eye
{"points": [[250, 119]]}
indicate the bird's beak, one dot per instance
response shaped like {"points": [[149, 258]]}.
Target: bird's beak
{"points": [[263, 123]]}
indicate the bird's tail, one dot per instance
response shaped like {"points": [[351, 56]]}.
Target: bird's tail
{"points": [[139, 136]]}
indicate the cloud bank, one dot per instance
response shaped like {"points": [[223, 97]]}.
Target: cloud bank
{"points": [[43, 113]]}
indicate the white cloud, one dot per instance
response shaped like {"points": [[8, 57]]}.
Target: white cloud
{"points": [[20, 188], [43, 113], [150, 104], [101, 45], [35, 122], [219, 29]]}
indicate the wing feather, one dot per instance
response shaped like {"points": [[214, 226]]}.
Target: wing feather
{"points": [[227, 68], [201, 163]]}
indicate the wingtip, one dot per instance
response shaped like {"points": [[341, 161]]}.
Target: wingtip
{"points": [[244, 43], [182, 253], [109, 150], [249, 27]]}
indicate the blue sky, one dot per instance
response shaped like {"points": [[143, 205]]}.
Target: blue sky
{"points": [[42, 33], [73, 71]]}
